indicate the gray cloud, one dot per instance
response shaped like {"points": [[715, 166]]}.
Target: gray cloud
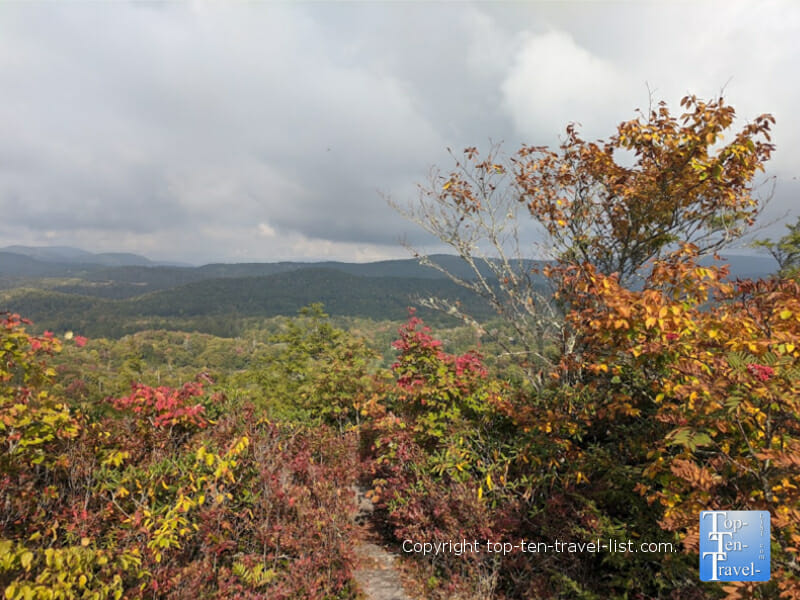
{"points": [[267, 131]]}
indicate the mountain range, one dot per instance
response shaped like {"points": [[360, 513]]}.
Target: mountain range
{"points": [[112, 294]]}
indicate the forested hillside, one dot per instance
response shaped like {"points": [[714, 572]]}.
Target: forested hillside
{"points": [[219, 306]]}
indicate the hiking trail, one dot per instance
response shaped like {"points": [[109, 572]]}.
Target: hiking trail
{"points": [[377, 574]]}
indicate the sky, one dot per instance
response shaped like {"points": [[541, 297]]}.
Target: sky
{"points": [[265, 131]]}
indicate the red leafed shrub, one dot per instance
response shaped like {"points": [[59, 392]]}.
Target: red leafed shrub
{"points": [[164, 406], [438, 460], [102, 507], [436, 391]]}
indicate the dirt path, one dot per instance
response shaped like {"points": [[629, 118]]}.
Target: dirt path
{"points": [[377, 574]]}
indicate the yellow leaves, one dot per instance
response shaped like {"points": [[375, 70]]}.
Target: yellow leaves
{"points": [[240, 446], [784, 485], [785, 314], [650, 322], [480, 492], [115, 458], [489, 484]]}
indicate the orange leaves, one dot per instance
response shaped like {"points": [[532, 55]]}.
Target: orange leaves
{"points": [[698, 477], [680, 188], [621, 324], [715, 363], [735, 374]]}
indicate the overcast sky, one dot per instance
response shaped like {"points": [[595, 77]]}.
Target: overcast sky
{"points": [[266, 131]]}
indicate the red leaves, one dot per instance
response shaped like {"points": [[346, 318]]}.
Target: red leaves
{"points": [[423, 363], [760, 372], [165, 406]]}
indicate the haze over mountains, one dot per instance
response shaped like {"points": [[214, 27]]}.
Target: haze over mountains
{"points": [[112, 294]]}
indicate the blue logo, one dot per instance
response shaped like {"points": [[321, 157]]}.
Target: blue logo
{"points": [[734, 545]]}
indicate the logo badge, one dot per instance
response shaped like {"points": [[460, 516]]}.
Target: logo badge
{"points": [[734, 545]]}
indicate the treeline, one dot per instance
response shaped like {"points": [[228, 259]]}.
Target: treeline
{"points": [[223, 306]]}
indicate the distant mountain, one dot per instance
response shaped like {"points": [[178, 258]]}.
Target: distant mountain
{"points": [[70, 255], [408, 267], [59, 254], [148, 275], [13, 264], [113, 294], [746, 266]]}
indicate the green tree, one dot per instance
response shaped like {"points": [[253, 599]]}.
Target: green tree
{"points": [[314, 371], [786, 251]]}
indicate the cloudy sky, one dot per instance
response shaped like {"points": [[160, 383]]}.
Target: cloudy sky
{"points": [[274, 131]]}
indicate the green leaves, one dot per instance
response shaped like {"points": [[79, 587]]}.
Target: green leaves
{"points": [[314, 372], [689, 439]]}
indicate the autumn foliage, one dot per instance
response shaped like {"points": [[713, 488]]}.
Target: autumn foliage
{"points": [[159, 501], [658, 388]]}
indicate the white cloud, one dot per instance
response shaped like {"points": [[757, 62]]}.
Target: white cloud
{"points": [[555, 81], [265, 230]]}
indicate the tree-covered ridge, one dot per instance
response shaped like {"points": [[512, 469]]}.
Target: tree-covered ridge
{"points": [[218, 306]]}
